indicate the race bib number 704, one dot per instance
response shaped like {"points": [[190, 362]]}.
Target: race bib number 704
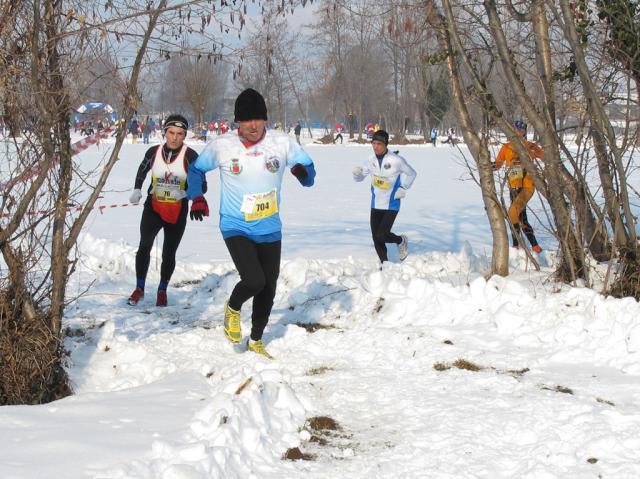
{"points": [[260, 205]]}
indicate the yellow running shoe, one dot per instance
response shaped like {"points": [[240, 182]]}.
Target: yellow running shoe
{"points": [[232, 329], [258, 348]]}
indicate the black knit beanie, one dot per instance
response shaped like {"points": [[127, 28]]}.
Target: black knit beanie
{"points": [[250, 106], [177, 121], [382, 136]]}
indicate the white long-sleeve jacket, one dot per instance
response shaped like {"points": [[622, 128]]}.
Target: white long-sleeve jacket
{"points": [[387, 176]]}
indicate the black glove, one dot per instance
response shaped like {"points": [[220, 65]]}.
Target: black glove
{"points": [[300, 172], [199, 208]]}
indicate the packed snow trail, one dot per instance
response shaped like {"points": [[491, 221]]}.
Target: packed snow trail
{"points": [[383, 354]]}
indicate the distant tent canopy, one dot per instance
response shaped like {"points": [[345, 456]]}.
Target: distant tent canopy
{"points": [[95, 110]]}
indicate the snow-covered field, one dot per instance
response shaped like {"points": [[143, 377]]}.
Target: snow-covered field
{"points": [[421, 370]]}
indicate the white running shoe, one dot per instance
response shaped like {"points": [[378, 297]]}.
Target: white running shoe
{"points": [[403, 248]]}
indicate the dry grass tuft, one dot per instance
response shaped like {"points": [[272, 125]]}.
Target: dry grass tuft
{"points": [[627, 282], [441, 366], [323, 423], [295, 454], [559, 389], [517, 372], [313, 327], [318, 371], [31, 357], [468, 365]]}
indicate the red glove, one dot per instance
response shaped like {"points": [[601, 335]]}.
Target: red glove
{"points": [[199, 208], [300, 172]]}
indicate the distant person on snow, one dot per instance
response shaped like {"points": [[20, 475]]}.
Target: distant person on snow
{"points": [[391, 177], [252, 163], [450, 137], [296, 131], [146, 130], [338, 133], [133, 129], [370, 131], [521, 187], [166, 206], [434, 135]]}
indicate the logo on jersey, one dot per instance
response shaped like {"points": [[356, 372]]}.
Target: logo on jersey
{"points": [[272, 164], [386, 166], [171, 179], [236, 167]]}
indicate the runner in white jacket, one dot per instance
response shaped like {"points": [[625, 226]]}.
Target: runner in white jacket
{"points": [[391, 177]]}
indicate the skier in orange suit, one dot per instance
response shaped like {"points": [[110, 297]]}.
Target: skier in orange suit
{"points": [[521, 187]]}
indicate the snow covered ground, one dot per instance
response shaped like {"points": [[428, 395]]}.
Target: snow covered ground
{"points": [[421, 370]]}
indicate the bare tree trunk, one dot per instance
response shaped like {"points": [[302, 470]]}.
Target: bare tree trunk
{"points": [[422, 104], [60, 257], [612, 206], [478, 146]]}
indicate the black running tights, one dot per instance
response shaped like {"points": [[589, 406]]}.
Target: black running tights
{"points": [[381, 224], [150, 226], [259, 267]]}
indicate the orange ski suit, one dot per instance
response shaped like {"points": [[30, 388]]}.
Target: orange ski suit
{"points": [[521, 185]]}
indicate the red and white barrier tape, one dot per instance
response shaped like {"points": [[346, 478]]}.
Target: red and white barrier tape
{"points": [[100, 208], [76, 148], [85, 143]]}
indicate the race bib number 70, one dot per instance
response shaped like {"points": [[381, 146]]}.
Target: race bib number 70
{"points": [[168, 193], [260, 205]]}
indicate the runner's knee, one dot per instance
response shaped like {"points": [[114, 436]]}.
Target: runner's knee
{"points": [[254, 283]]}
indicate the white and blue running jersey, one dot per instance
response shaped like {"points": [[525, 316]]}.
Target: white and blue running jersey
{"points": [[250, 181], [387, 175]]}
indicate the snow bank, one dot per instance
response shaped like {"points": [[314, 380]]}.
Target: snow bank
{"points": [[241, 431]]}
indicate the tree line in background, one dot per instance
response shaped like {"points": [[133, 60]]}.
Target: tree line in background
{"points": [[569, 68], [354, 62]]}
